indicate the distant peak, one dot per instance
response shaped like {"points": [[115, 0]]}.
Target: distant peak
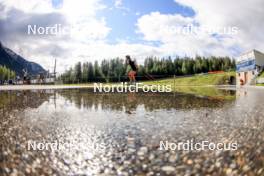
{"points": [[17, 63]]}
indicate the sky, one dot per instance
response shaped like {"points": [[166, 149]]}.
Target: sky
{"points": [[104, 29]]}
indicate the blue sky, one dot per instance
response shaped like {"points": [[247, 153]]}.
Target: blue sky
{"points": [[122, 19]]}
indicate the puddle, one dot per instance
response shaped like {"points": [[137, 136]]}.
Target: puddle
{"points": [[115, 134]]}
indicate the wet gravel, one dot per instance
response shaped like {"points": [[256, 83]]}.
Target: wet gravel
{"points": [[120, 134]]}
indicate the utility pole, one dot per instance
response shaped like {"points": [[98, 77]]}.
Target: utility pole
{"points": [[55, 68]]}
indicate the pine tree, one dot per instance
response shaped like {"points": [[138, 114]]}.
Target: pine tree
{"points": [[90, 72], [78, 72]]}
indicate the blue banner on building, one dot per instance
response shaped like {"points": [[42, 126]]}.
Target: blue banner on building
{"points": [[246, 66]]}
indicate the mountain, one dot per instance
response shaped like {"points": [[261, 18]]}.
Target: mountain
{"points": [[17, 63]]}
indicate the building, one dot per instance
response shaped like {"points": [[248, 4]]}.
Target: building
{"points": [[248, 67]]}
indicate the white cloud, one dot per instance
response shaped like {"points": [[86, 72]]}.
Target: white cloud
{"points": [[247, 15], [163, 28], [118, 3], [80, 45], [155, 26], [79, 16], [29, 6]]}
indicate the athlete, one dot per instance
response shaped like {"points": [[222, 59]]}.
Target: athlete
{"points": [[132, 73]]}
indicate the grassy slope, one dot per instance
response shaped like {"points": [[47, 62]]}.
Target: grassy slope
{"points": [[262, 75], [197, 80], [201, 85]]}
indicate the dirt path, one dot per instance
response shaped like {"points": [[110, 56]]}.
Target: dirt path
{"points": [[44, 87]]}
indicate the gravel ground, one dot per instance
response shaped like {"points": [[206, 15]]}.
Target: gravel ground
{"points": [[120, 134]]}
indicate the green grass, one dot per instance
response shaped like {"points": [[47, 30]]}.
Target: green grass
{"points": [[201, 85], [211, 92], [262, 75], [197, 80]]}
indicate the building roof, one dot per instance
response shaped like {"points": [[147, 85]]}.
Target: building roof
{"points": [[250, 51], [249, 55]]}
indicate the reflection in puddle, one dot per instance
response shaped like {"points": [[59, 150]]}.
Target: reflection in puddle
{"points": [[115, 134]]}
